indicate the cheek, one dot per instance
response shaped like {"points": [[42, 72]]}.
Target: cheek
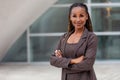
{"points": [[72, 20], [84, 20]]}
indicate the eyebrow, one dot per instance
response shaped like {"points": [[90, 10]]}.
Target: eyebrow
{"points": [[75, 13]]}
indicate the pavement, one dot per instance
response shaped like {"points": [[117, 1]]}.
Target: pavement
{"points": [[105, 70]]}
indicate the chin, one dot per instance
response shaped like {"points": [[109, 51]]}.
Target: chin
{"points": [[79, 27]]}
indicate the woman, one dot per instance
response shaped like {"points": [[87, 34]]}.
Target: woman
{"points": [[76, 50]]}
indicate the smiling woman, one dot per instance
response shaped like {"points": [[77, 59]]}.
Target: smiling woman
{"points": [[76, 50], [78, 17], [39, 41]]}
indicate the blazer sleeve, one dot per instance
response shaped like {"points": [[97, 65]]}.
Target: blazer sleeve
{"points": [[87, 63], [59, 62]]}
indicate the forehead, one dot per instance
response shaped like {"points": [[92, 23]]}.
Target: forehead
{"points": [[80, 10]]}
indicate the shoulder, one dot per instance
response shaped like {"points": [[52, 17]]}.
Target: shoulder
{"points": [[92, 36], [65, 35]]}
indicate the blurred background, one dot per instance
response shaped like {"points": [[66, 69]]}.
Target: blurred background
{"points": [[30, 29]]}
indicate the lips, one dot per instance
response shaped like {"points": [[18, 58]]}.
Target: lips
{"points": [[78, 24]]}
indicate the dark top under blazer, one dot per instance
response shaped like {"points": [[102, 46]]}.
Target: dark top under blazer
{"points": [[84, 70]]}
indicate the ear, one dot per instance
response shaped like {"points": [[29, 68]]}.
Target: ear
{"points": [[87, 16], [70, 17]]}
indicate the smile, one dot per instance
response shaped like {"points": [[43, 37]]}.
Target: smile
{"points": [[78, 24]]}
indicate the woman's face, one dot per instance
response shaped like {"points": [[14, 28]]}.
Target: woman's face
{"points": [[78, 17]]}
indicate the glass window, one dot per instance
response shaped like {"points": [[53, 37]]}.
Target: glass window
{"points": [[18, 52], [108, 47], [43, 47], [106, 19], [104, 1], [69, 1], [54, 20]]}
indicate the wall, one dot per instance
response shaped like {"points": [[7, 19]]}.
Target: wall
{"points": [[16, 16]]}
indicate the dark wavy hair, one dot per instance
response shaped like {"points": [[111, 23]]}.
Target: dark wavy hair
{"points": [[88, 24]]}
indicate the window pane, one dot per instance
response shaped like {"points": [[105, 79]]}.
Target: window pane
{"points": [[54, 20], [69, 1], [43, 47], [18, 52], [108, 47], [106, 19], [104, 1]]}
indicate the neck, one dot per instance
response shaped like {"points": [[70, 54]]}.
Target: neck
{"points": [[79, 31]]}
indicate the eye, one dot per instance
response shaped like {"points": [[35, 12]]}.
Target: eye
{"points": [[74, 16], [81, 15]]}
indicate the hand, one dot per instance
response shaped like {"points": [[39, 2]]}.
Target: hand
{"points": [[77, 60], [58, 53]]}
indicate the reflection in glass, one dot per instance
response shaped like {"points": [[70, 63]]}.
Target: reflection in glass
{"points": [[69, 1], [108, 47], [18, 51], [54, 20], [106, 19], [43, 47]]}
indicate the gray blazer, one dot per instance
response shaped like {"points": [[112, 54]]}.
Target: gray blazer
{"points": [[83, 70]]}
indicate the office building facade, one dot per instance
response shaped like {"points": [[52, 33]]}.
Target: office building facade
{"points": [[38, 42]]}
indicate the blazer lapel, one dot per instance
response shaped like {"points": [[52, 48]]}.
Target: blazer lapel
{"points": [[82, 40], [65, 41], [67, 35]]}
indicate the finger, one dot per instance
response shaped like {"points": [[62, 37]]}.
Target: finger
{"points": [[56, 54], [59, 56], [55, 51], [59, 51], [81, 57]]}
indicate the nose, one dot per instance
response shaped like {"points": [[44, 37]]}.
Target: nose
{"points": [[78, 19]]}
